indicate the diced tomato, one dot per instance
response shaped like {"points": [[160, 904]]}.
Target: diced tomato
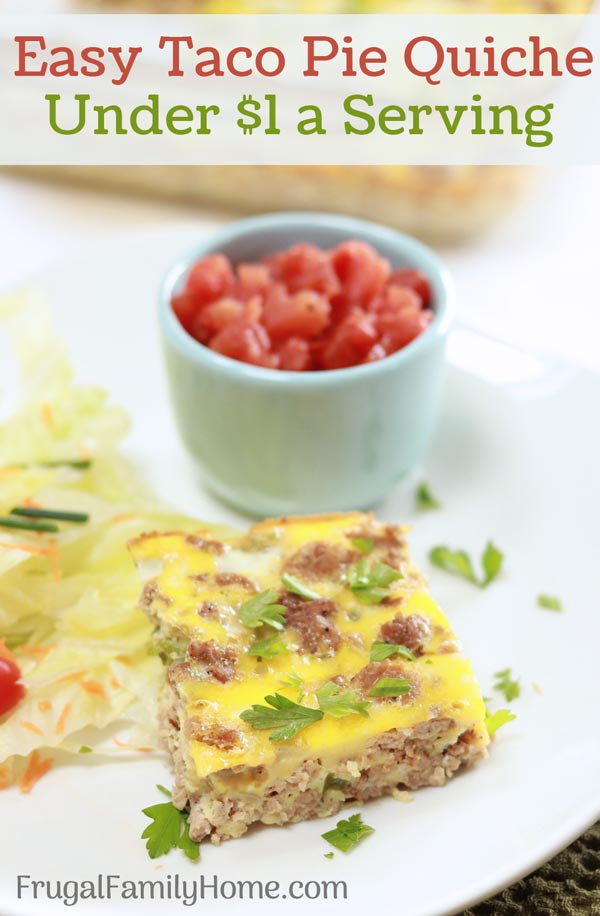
{"points": [[210, 279], [304, 314], [361, 272], [243, 340], [305, 309], [214, 317], [184, 308], [400, 328], [350, 341], [394, 299], [11, 690], [252, 280], [306, 267], [295, 355], [413, 279]]}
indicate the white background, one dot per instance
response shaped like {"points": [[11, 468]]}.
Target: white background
{"points": [[534, 280]]}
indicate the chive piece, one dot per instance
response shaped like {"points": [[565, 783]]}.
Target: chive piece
{"points": [[82, 464], [57, 514], [25, 525]]}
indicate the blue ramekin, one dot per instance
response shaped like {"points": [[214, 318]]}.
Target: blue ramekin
{"points": [[271, 442]]}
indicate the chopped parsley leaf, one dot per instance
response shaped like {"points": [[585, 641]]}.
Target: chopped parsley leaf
{"points": [[328, 855], [263, 609], [283, 715], [495, 720], [382, 650], [84, 749], [295, 681], [506, 685], [390, 687], [550, 603], [365, 545], [269, 647], [370, 585], [347, 833], [425, 498], [296, 587], [337, 702], [459, 563], [169, 829]]}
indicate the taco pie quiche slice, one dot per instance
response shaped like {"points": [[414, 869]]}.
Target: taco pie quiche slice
{"points": [[307, 666]]}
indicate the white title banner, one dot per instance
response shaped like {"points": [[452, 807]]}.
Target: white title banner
{"points": [[353, 90]]}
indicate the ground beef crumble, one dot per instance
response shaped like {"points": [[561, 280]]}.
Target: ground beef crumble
{"points": [[218, 662], [312, 621], [413, 632], [213, 734], [321, 560]]}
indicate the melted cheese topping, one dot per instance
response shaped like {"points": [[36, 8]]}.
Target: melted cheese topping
{"points": [[191, 572]]}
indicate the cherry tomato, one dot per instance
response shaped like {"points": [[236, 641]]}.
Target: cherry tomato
{"points": [[11, 690]]}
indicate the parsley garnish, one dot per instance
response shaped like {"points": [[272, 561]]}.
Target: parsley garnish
{"points": [[263, 609], [169, 830], [425, 498], [295, 681], [370, 585], [390, 687], [337, 702], [550, 603], [382, 650], [506, 685], [365, 545], [285, 716], [348, 833], [459, 563], [84, 749], [296, 587], [269, 647], [495, 720], [328, 855]]}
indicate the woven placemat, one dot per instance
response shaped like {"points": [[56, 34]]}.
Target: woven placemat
{"points": [[568, 885]]}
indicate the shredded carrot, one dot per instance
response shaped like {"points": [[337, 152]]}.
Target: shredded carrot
{"points": [[124, 517], [5, 780], [125, 660], [48, 415], [27, 548], [36, 768], [76, 676], [8, 471], [114, 683], [119, 743], [31, 503], [37, 652], [44, 705], [94, 688], [145, 750], [60, 725], [32, 728], [51, 551]]}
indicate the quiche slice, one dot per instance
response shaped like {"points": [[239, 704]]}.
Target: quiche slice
{"points": [[308, 666]]}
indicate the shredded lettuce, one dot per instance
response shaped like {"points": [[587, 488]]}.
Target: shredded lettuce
{"points": [[68, 602]]}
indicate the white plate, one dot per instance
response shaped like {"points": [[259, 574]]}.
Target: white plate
{"points": [[516, 459]]}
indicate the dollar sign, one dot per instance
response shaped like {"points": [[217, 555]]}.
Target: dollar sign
{"points": [[249, 107]]}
